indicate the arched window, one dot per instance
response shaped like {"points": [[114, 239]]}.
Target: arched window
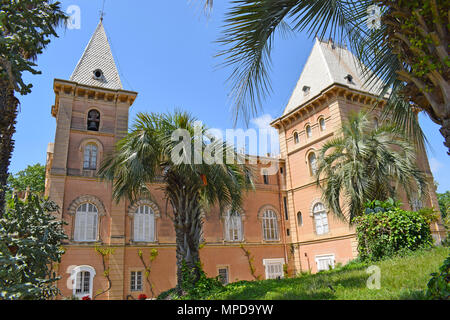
{"points": [[308, 131], [86, 219], [322, 124], [90, 157], [312, 163], [296, 138], [299, 219], [82, 279], [144, 224], [233, 226], [270, 225], [93, 121], [320, 218]]}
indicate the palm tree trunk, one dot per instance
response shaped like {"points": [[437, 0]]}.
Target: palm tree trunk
{"points": [[189, 233], [8, 115]]}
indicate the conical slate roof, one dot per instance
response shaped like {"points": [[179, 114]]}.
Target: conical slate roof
{"points": [[328, 64], [97, 57]]}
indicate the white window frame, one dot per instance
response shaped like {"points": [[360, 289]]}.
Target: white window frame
{"points": [[80, 235], [90, 156], [312, 163], [138, 285], [233, 227], [320, 216], [148, 228], [74, 278], [322, 124], [267, 263], [325, 257], [270, 225], [308, 130]]}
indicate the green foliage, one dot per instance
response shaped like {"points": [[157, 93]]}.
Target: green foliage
{"points": [[401, 278], [25, 28], [193, 288], [364, 163], [439, 284], [30, 242], [444, 203], [390, 230], [32, 178]]}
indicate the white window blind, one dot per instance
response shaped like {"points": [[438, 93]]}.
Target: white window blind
{"points": [[325, 262], [274, 268], [270, 225], [320, 218], [86, 223], [144, 224], [233, 226]]}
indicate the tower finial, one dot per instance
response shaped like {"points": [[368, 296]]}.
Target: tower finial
{"points": [[102, 12]]}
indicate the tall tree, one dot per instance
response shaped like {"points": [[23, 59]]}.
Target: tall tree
{"points": [[407, 50], [152, 152], [364, 163], [25, 28], [32, 178]]}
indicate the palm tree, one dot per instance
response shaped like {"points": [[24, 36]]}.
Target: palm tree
{"points": [[150, 153], [365, 163], [408, 51], [25, 28]]}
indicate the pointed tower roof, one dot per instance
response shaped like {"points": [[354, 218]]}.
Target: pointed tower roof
{"points": [[328, 64], [96, 66]]}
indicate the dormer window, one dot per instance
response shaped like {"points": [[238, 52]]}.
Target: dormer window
{"points": [[349, 78], [93, 121], [98, 74], [306, 90]]}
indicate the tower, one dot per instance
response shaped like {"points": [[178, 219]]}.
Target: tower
{"points": [[331, 85], [91, 111]]}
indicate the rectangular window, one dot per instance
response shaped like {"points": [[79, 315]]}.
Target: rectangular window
{"points": [[223, 275], [285, 208], [274, 268], [136, 281], [266, 178], [325, 262]]}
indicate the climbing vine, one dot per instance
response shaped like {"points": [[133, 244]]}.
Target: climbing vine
{"points": [[250, 263], [105, 253], [148, 267]]}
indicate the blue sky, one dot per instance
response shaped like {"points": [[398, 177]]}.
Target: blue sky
{"points": [[165, 51]]}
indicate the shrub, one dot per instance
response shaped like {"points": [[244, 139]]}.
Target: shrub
{"points": [[30, 246], [438, 286], [386, 229], [193, 290]]}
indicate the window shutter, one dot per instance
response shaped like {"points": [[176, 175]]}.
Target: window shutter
{"points": [[80, 226], [137, 226]]}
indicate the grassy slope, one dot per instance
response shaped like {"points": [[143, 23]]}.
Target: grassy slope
{"points": [[401, 278]]}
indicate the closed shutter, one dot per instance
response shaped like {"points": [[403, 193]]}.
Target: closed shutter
{"points": [[138, 226]]}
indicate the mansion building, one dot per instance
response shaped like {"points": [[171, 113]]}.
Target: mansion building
{"points": [[283, 229]]}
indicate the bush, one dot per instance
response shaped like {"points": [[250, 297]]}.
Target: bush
{"points": [[438, 286], [30, 246], [386, 230], [193, 290]]}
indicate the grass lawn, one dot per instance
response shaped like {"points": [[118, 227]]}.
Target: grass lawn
{"points": [[401, 278]]}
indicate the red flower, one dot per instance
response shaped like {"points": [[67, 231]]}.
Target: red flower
{"points": [[142, 296], [86, 298]]}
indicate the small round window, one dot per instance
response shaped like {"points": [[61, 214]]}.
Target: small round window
{"points": [[98, 74]]}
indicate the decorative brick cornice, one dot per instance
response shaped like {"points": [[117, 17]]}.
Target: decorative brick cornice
{"points": [[86, 199], [143, 202]]}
